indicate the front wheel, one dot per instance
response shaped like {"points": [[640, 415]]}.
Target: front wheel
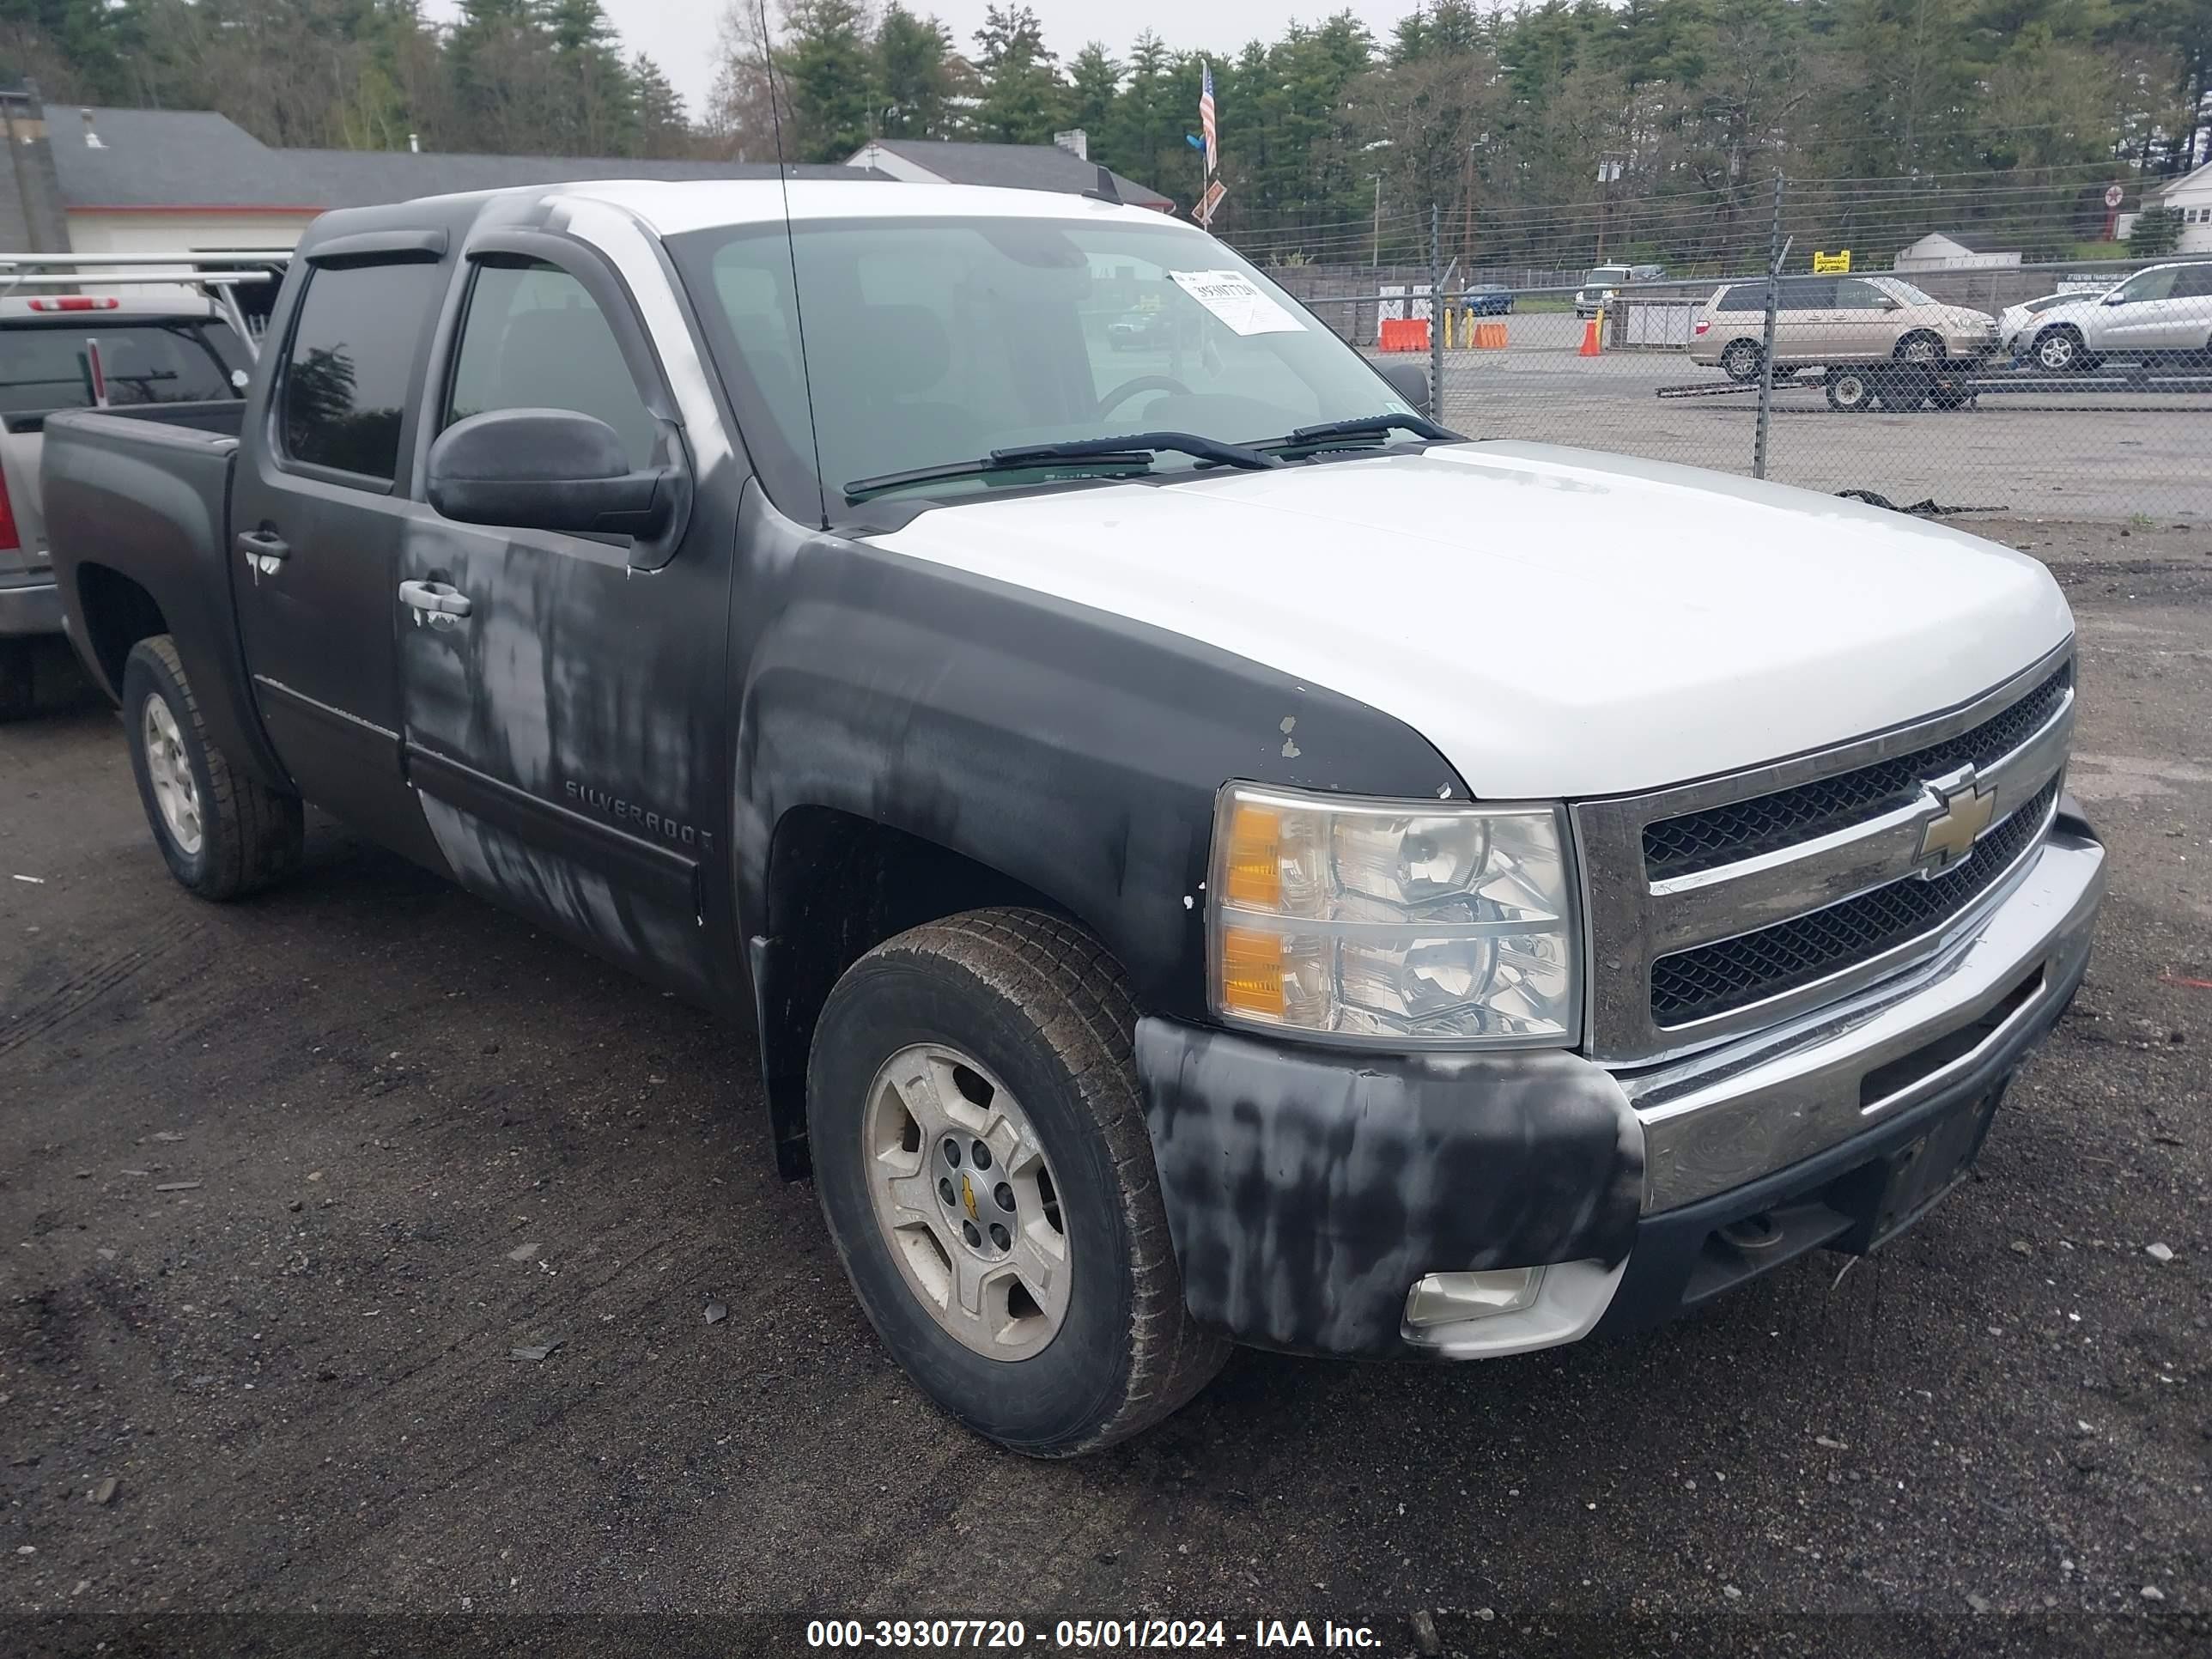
{"points": [[222, 835], [981, 1156], [2059, 350], [1922, 350]]}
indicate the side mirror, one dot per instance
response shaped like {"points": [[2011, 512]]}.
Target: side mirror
{"points": [[2115, 299], [1409, 381], [546, 469]]}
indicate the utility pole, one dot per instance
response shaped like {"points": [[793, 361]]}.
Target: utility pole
{"points": [[1766, 348], [1375, 252], [1436, 315]]}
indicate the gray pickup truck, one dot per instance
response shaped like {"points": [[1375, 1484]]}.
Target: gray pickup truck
{"points": [[1208, 853], [81, 351]]}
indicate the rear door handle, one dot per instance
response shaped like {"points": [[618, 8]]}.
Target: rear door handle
{"points": [[265, 550], [439, 604]]}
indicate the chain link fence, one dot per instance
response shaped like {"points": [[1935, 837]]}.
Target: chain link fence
{"points": [[1976, 344]]}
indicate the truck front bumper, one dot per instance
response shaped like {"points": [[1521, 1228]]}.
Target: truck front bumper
{"points": [[30, 604], [1309, 1191]]}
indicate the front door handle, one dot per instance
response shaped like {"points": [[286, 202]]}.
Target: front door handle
{"points": [[265, 550], [439, 604]]}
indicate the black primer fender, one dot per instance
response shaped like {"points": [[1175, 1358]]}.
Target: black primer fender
{"points": [[1076, 751], [148, 499], [1307, 1188]]}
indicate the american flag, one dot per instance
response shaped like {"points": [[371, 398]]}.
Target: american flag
{"points": [[1205, 113]]}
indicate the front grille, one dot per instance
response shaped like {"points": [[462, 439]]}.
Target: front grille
{"points": [[1729, 973], [1745, 829]]}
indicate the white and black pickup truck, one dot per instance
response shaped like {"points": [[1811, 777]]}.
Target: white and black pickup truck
{"points": [[1209, 855]]}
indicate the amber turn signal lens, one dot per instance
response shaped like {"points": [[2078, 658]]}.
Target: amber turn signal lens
{"points": [[1255, 874], [1252, 971]]}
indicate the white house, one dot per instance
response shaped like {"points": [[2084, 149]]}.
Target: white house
{"points": [[2190, 196], [1954, 250]]}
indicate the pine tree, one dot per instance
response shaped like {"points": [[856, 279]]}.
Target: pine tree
{"points": [[828, 70], [913, 74], [1025, 101]]}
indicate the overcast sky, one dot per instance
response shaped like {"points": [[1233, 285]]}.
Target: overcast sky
{"points": [[680, 35]]}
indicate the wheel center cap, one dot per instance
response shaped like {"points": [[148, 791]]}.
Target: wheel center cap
{"points": [[980, 1207]]}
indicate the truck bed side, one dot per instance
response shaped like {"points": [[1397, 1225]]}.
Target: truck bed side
{"points": [[137, 520]]}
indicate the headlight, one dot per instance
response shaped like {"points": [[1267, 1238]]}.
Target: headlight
{"points": [[1398, 923]]}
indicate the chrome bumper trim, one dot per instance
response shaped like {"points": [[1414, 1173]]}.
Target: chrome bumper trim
{"points": [[1730, 1114], [30, 607]]}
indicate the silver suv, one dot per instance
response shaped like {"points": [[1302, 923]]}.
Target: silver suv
{"points": [[1826, 320]]}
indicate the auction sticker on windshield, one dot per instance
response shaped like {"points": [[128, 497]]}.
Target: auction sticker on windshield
{"points": [[1230, 295]]}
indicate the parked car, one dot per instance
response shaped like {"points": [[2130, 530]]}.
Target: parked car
{"points": [[1600, 284], [1823, 321], [1487, 300], [2161, 312], [2013, 320], [1138, 330], [70, 351], [1163, 922]]}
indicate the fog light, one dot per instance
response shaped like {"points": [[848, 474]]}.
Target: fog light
{"points": [[1448, 1298]]}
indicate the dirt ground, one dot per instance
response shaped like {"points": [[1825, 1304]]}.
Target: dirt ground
{"points": [[283, 1186]]}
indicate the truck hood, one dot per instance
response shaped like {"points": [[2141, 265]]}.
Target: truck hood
{"points": [[1556, 622]]}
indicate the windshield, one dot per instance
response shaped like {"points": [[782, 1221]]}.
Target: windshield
{"points": [[1902, 290], [934, 341], [1608, 274], [48, 367]]}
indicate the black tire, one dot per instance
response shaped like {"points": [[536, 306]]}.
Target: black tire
{"points": [[1739, 360], [1040, 1003], [1900, 388], [1920, 347], [1948, 398], [18, 680], [1851, 390], [250, 836], [2060, 350]]}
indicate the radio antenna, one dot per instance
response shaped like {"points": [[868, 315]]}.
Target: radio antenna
{"points": [[791, 249]]}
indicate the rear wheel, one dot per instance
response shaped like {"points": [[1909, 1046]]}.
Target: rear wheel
{"points": [[19, 679], [1740, 359], [982, 1158], [223, 834]]}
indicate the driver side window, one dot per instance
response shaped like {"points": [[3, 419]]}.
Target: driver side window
{"points": [[2147, 285], [534, 339]]}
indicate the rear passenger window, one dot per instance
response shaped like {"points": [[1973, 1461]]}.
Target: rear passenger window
{"points": [[346, 373], [534, 338]]}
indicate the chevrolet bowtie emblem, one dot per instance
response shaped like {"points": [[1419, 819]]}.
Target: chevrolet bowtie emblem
{"points": [[1950, 836], [968, 1197]]}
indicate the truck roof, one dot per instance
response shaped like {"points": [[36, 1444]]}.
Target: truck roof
{"points": [[670, 208]]}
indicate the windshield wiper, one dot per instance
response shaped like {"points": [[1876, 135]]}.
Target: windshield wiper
{"points": [[1135, 450], [1359, 426]]}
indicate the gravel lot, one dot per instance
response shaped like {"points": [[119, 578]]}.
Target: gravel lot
{"points": [[2081, 455], [283, 1185]]}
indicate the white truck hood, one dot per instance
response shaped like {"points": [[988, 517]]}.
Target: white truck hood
{"points": [[1556, 622]]}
